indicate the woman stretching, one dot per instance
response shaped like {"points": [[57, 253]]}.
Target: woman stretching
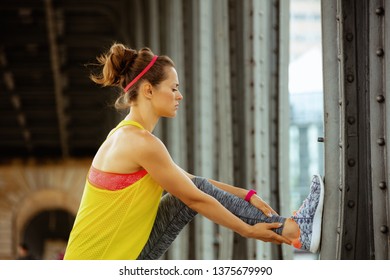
{"points": [[123, 214]]}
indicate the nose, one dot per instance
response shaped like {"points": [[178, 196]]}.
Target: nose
{"points": [[179, 96]]}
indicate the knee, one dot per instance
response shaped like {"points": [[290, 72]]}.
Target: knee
{"points": [[199, 182], [204, 185]]}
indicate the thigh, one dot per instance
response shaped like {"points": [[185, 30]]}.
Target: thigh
{"points": [[172, 216]]}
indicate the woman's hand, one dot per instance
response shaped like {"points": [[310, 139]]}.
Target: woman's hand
{"points": [[262, 206], [264, 232]]}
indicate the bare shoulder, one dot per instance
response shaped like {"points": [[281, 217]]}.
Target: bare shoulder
{"points": [[126, 149], [150, 145], [140, 143]]}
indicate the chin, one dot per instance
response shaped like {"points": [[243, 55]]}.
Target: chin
{"points": [[170, 116]]}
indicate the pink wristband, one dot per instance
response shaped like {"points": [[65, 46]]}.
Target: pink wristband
{"points": [[250, 194]]}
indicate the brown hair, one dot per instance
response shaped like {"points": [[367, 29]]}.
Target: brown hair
{"points": [[120, 65]]}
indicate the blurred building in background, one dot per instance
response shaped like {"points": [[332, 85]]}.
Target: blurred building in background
{"points": [[306, 99], [306, 96]]}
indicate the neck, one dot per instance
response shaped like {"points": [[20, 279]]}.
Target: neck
{"points": [[146, 120]]}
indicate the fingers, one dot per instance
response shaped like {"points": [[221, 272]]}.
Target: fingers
{"points": [[276, 237], [273, 225], [264, 232], [266, 209], [272, 210], [267, 212], [282, 239]]}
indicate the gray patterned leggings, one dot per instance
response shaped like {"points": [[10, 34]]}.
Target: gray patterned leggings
{"points": [[173, 215]]}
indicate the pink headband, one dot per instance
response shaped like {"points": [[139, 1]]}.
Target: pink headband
{"points": [[141, 74]]}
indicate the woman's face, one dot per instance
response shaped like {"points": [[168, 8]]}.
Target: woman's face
{"points": [[166, 95]]}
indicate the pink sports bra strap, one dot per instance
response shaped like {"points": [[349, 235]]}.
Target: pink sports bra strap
{"points": [[114, 181]]}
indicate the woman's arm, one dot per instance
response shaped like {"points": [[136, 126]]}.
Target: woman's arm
{"points": [[255, 200], [241, 193], [154, 157]]}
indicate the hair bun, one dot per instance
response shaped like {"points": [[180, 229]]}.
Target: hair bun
{"points": [[116, 63], [121, 58], [129, 57]]}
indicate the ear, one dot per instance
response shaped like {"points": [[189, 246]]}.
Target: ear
{"points": [[147, 90]]}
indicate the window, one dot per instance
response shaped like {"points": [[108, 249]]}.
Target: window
{"points": [[306, 100]]}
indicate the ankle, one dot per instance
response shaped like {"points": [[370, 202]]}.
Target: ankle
{"points": [[291, 229]]}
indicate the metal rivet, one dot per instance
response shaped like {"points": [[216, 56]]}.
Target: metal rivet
{"points": [[348, 246], [350, 78], [380, 11], [340, 187], [321, 139], [380, 52], [349, 37], [351, 120], [340, 102], [351, 162], [382, 185], [381, 141], [351, 204], [380, 98], [384, 229]]}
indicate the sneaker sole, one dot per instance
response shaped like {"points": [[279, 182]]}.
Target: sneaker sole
{"points": [[317, 220]]}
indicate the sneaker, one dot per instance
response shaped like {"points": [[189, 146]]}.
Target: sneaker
{"points": [[309, 217]]}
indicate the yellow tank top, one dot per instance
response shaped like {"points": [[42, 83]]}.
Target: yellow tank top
{"points": [[114, 225]]}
